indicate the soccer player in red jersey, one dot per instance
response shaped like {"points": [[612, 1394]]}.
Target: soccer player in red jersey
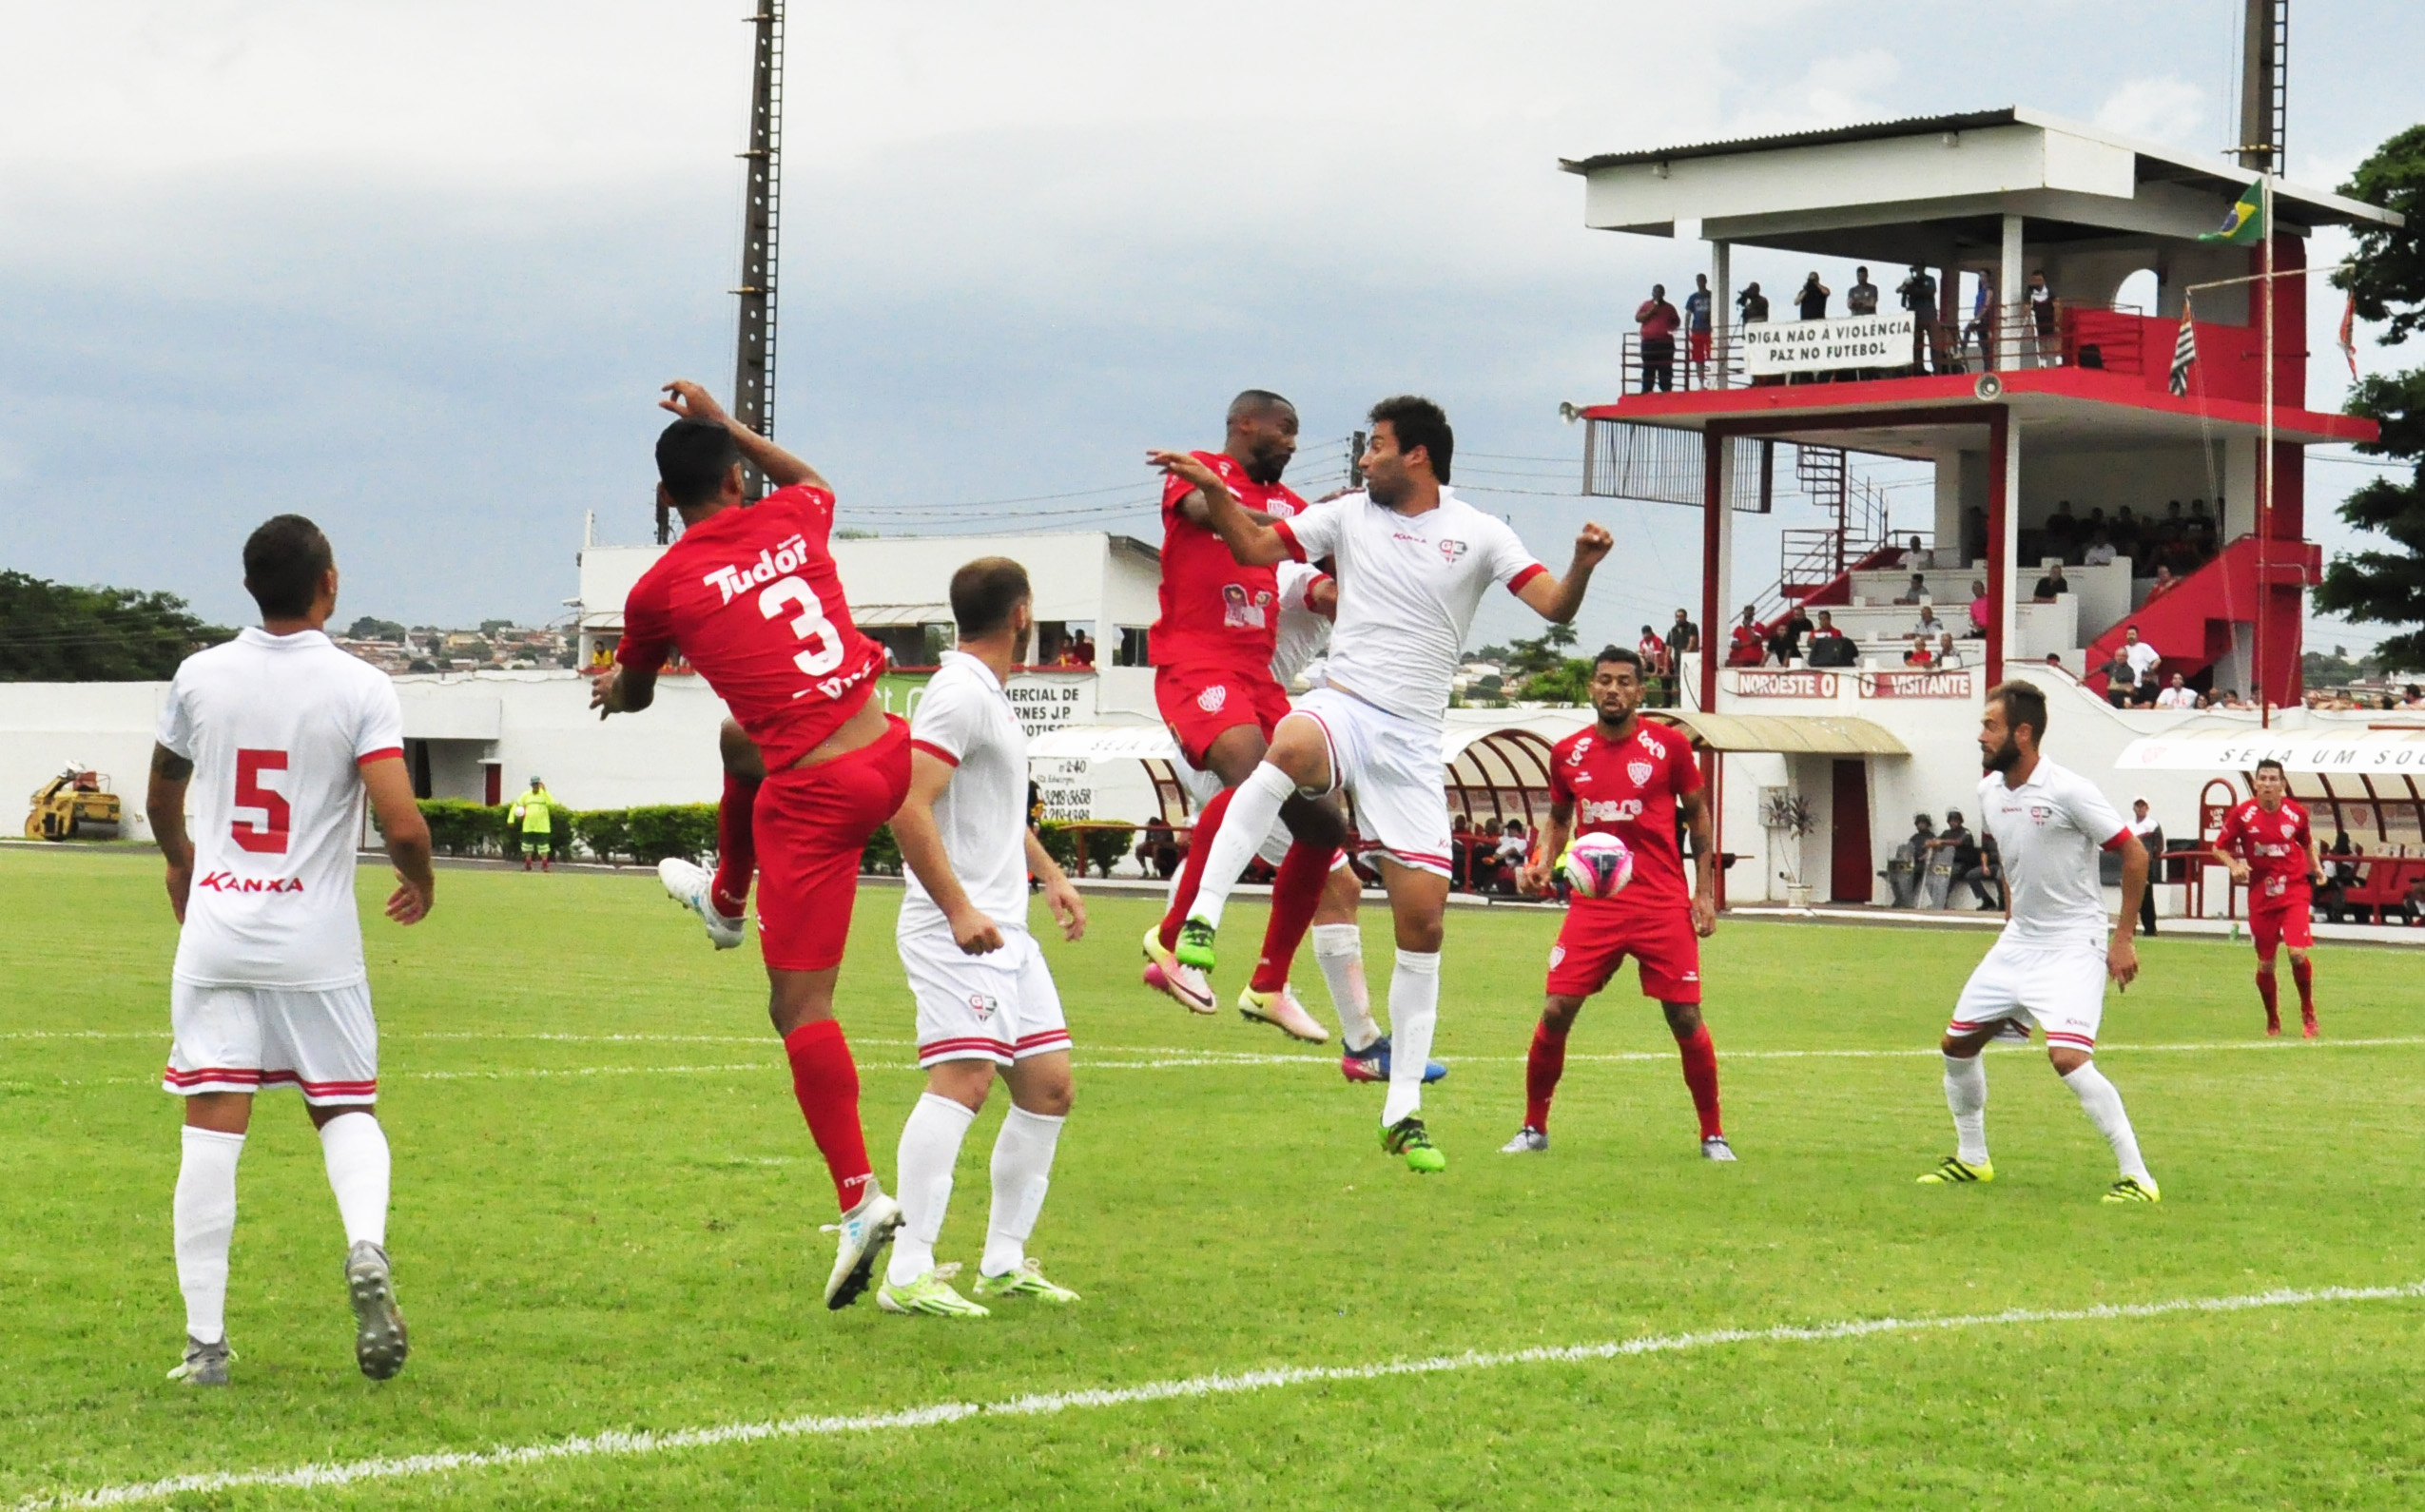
{"points": [[1626, 777], [2268, 844], [1212, 682], [749, 597]]}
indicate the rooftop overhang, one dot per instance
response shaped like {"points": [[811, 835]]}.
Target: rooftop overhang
{"points": [[1786, 734], [2375, 750], [1914, 190], [2074, 408]]}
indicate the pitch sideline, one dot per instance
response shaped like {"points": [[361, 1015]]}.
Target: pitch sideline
{"points": [[627, 1445]]}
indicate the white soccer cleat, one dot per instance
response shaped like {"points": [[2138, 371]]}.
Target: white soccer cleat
{"points": [[1282, 1011], [689, 886], [1528, 1141], [1186, 986], [864, 1229]]}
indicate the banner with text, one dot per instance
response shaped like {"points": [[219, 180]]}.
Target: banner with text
{"points": [[1916, 685], [1794, 683], [1772, 347]]}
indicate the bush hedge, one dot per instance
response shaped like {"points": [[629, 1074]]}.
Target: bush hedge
{"points": [[643, 835]]}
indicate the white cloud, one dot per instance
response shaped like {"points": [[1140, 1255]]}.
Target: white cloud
{"points": [[2165, 108]]}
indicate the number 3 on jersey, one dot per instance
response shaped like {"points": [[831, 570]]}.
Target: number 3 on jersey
{"points": [[268, 836], [824, 650]]}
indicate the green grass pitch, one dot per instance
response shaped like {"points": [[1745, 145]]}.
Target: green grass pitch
{"points": [[605, 1212]]}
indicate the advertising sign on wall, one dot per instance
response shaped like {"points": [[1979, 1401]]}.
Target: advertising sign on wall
{"points": [[1794, 683], [1954, 683], [1772, 347]]}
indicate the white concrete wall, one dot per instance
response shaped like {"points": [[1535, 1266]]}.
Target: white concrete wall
{"points": [[107, 727]]}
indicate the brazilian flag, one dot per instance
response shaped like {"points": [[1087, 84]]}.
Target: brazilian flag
{"points": [[2245, 225]]}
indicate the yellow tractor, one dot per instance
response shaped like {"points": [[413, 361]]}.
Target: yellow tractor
{"points": [[76, 805]]}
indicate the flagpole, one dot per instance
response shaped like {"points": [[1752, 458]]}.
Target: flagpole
{"points": [[2265, 473]]}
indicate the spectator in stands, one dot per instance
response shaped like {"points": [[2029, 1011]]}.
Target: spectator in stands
{"points": [[1914, 556], [2040, 300], [2176, 694], [1930, 625], [1916, 593], [2100, 551], [1696, 330], [2163, 584], [1812, 298], [1907, 866], [1157, 851], [1861, 298], [2128, 539], [1919, 655], [1918, 293], [1979, 610], [1785, 642], [1982, 327], [1658, 322], [1947, 657], [1653, 652], [2050, 586], [1829, 646], [2063, 529], [1683, 639], [2414, 696], [1514, 849], [1825, 628], [1748, 647], [1460, 843], [2122, 681], [1752, 304], [1961, 849], [1081, 650], [2143, 658]]}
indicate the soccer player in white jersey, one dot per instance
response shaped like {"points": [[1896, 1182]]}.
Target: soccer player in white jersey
{"points": [[1309, 599], [2050, 964], [278, 735], [1413, 561], [985, 999]]}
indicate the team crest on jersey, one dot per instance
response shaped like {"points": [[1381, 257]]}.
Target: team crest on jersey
{"points": [[981, 1005], [1557, 954], [1640, 772], [787, 557], [1452, 550], [2040, 813], [1212, 698]]}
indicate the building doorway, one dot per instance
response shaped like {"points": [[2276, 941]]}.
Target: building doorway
{"points": [[1850, 877]]}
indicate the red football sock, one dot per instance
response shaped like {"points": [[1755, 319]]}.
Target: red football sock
{"points": [[1295, 894], [1542, 1067], [1200, 850], [1700, 1076], [2303, 973], [826, 1080], [2266, 990], [736, 846]]}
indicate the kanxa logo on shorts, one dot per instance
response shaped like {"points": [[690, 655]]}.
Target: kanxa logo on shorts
{"points": [[787, 557], [1212, 698]]}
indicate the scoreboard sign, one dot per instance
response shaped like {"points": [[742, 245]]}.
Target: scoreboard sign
{"points": [[1955, 684], [1795, 683]]}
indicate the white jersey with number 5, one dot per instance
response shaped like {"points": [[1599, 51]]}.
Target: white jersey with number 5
{"points": [[1408, 585], [276, 728]]}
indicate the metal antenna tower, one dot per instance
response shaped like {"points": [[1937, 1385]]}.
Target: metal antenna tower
{"points": [[753, 357], [2264, 85]]}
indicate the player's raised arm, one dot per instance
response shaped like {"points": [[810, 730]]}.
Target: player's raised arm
{"points": [[1556, 599], [390, 786], [921, 851], [1250, 537], [693, 403], [165, 805]]}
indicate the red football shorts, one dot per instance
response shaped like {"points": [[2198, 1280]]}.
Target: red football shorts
{"points": [[1597, 935], [812, 825], [2286, 922], [1198, 702]]}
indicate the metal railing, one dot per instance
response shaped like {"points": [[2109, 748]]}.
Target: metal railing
{"points": [[2006, 338]]}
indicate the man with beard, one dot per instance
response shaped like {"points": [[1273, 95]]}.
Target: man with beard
{"points": [[2049, 965], [1212, 682]]}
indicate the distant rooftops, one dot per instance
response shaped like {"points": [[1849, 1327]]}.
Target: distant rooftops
{"points": [[1809, 189]]}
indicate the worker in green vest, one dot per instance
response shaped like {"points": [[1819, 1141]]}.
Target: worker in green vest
{"points": [[533, 818]]}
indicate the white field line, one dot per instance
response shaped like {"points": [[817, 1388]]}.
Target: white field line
{"points": [[638, 1444]]}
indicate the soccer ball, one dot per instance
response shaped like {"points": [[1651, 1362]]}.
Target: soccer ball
{"points": [[1597, 865]]}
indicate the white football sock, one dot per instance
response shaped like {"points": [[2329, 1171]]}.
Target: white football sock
{"points": [[929, 1148], [2102, 1102], [1022, 1173], [1338, 949], [1966, 1092], [206, 1221], [1254, 808], [355, 1148], [1414, 1010]]}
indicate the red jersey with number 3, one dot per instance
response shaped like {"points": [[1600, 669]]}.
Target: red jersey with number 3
{"points": [[750, 599], [2275, 847], [1628, 788], [1214, 612]]}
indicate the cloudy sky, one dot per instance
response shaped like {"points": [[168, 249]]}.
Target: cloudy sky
{"points": [[416, 269]]}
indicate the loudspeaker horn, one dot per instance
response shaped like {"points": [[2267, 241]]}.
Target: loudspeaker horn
{"points": [[1987, 387]]}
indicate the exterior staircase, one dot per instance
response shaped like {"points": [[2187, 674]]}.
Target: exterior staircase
{"points": [[2191, 626]]}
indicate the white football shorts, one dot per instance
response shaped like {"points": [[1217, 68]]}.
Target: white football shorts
{"points": [[322, 1040], [2059, 988], [1000, 1006], [1391, 767]]}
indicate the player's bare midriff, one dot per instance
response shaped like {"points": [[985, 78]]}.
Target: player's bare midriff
{"points": [[864, 727]]}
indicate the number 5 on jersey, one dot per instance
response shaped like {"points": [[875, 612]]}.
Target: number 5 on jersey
{"points": [[268, 836]]}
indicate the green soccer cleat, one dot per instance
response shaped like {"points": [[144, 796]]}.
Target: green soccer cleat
{"points": [[1409, 1137], [1952, 1171], [1027, 1281], [2131, 1188], [1196, 944], [930, 1295]]}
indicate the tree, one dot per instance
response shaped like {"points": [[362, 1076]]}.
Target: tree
{"points": [[367, 628], [2386, 282], [53, 632]]}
